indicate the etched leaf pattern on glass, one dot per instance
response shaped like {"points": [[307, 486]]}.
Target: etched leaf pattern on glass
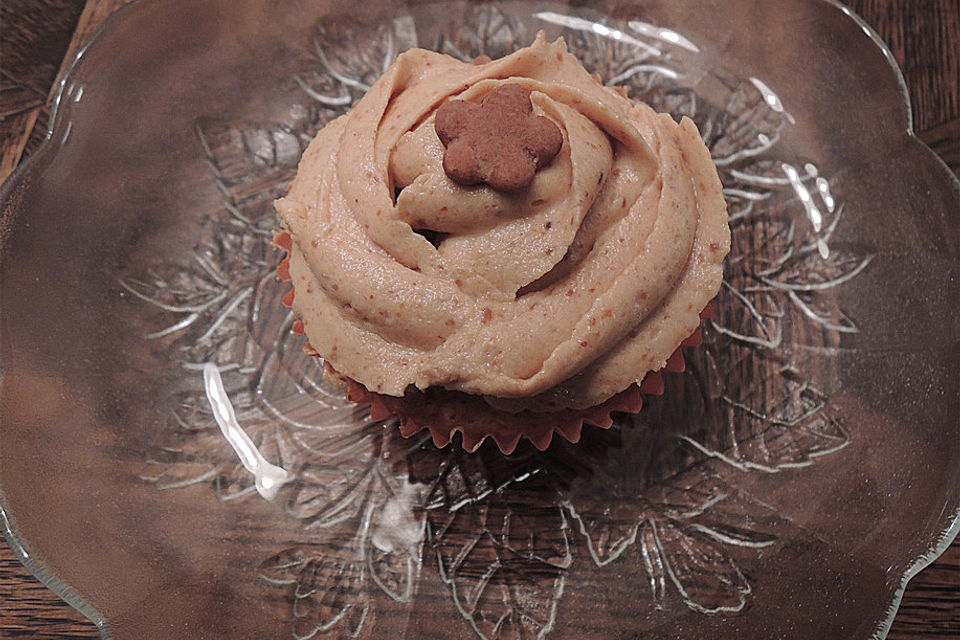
{"points": [[502, 533]]}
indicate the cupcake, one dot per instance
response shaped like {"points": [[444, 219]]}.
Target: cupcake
{"points": [[505, 248]]}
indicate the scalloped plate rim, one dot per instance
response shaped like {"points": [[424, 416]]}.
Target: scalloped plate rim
{"points": [[47, 147]]}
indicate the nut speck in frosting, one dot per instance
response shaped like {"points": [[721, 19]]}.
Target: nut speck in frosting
{"points": [[559, 292]]}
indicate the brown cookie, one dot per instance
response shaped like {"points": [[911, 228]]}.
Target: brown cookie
{"points": [[498, 141]]}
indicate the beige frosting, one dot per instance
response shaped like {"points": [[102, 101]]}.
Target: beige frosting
{"points": [[560, 295]]}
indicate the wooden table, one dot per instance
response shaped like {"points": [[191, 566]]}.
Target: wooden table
{"points": [[39, 37]]}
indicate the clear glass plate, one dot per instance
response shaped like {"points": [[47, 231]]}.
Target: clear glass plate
{"points": [[788, 483]]}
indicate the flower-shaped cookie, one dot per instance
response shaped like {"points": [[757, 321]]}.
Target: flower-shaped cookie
{"points": [[498, 141]]}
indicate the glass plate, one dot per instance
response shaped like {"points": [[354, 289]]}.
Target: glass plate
{"points": [[788, 483]]}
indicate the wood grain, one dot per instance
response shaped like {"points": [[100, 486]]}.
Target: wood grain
{"points": [[924, 39], [39, 41], [39, 37], [36, 37]]}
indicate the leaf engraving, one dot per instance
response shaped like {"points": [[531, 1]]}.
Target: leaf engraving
{"points": [[505, 580]]}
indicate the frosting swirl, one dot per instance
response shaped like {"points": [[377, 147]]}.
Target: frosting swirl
{"points": [[559, 295]]}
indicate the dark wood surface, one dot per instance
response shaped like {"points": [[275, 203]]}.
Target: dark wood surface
{"points": [[38, 38]]}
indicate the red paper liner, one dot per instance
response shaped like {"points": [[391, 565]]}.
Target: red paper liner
{"points": [[444, 412]]}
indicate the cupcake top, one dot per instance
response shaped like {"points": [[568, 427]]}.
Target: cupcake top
{"points": [[420, 257]]}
